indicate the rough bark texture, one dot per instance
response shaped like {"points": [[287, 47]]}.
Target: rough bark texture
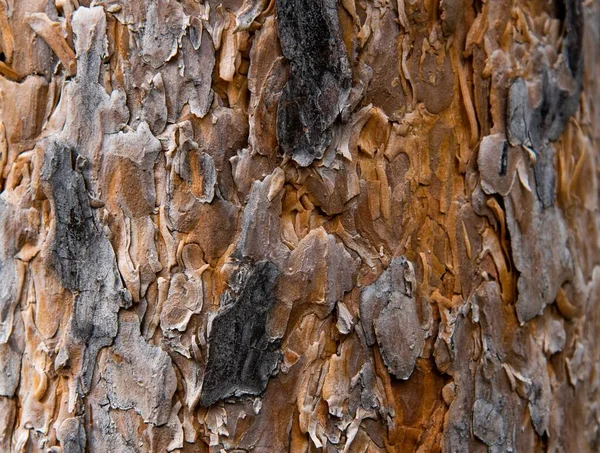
{"points": [[299, 225]]}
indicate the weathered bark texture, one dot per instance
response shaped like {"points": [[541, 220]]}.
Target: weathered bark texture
{"points": [[299, 225]]}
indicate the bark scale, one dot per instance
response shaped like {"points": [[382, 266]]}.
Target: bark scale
{"points": [[299, 225]]}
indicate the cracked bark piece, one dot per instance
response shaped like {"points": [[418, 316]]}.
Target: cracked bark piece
{"points": [[459, 146], [452, 14], [12, 273], [545, 175], [459, 422], [241, 356], [560, 89], [139, 375], [497, 163], [436, 90], [50, 302], [519, 113], [11, 353], [116, 430], [496, 406], [26, 54], [332, 188], [259, 233], [192, 189], [389, 314], [221, 135], [71, 435], [267, 76], [128, 162], [184, 300], [83, 259], [18, 98], [249, 11], [51, 33], [560, 99], [154, 105], [164, 26], [534, 128], [187, 78], [216, 228], [8, 415], [198, 173], [489, 425], [538, 235], [319, 81], [319, 271], [534, 381], [382, 60]]}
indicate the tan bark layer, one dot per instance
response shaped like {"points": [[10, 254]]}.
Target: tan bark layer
{"points": [[299, 225]]}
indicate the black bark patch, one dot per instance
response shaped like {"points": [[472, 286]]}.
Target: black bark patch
{"points": [[545, 175], [557, 106], [75, 229], [241, 356], [573, 44], [320, 77], [570, 13], [503, 160]]}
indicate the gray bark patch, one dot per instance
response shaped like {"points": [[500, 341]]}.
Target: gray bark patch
{"points": [[139, 375], [388, 310], [488, 423], [83, 259], [72, 435], [560, 91]]}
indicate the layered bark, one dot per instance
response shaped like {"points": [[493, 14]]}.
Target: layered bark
{"points": [[299, 225]]}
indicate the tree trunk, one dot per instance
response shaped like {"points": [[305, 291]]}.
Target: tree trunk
{"points": [[299, 225]]}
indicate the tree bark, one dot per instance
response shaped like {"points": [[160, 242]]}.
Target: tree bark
{"points": [[299, 225]]}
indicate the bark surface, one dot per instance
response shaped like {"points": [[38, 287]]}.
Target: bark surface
{"points": [[299, 225]]}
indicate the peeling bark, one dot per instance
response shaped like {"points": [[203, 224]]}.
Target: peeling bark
{"points": [[292, 225]]}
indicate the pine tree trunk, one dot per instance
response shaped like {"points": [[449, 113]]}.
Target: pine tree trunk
{"points": [[299, 225]]}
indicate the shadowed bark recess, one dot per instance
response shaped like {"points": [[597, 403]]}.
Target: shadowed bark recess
{"points": [[299, 226]]}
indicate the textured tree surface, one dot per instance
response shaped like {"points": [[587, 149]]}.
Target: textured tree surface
{"points": [[299, 225]]}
